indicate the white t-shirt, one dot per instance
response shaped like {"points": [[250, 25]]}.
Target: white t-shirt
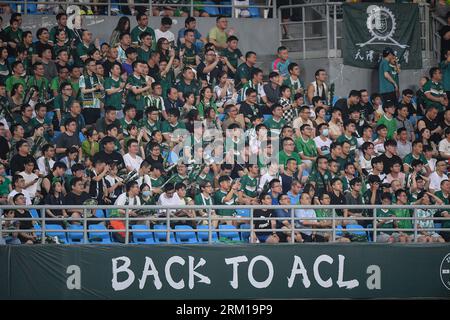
{"points": [[435, 181], [134, 163], [28, 178], [365, 164], [167, 202], [41, 165], [324, 146], [168, 35], [24, 192], [444, 147], [123, 199]]}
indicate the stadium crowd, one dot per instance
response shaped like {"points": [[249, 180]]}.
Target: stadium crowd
{"points": [[153, 118]]}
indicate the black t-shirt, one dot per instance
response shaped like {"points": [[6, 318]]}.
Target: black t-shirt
{"points": [[249, 111], [17, 163], [366, 110], [23, 224], [286, 182], [210, 77], [96, 187], [114, 157], [66, 141], [432, 125], [342, 105], [445, 44], [263, 224], [50, 199], [388, 162], [72, 199], [339, 200], [4, 148], [152, 161]]}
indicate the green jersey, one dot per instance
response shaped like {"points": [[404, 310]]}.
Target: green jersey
{"points": [[203, 106], [144, 55], [136, 100], [307, 147], [201, 200], [403, 224], [148, 126], [42, 85], [437, 91], [184, 88], [391, 125], [27, 126], [167, 127], [189, 55], [219, 199], [233, 57], [352, 140], [249, 186], [408, 159], [63, 105], [294, 85], [321, 181], [12, 80], [385, 85], [113, 100], [275, 126], [69, 34], [283, 158], [136, 32], [445, 67], [124, 125], [80, 51], [243, 72], [383, 213]]}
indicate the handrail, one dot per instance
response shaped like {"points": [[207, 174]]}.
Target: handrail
{"points": [[169, 220], [149, 5]]}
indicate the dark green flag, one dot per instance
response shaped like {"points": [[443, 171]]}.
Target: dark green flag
{"points": [[369, 28]]}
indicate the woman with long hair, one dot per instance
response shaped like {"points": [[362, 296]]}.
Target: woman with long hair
{"points": [[224, 90], [207, 101], [123, 26], [163, 47], [16, 98], [425, 137]]}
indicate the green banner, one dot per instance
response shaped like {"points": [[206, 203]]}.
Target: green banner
{"points": [[369, 28], [224, 271]]}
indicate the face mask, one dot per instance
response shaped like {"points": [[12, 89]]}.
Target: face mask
{"points": [[146, 193], [325, 132]]}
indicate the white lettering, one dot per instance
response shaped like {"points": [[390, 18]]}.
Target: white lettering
{"points": [[150, 270], [193, 273], [298, 268], [235, 262], [117, 286], [341, 283], [176, 285], [374, 281], [260, 284], [322, 258], [74, 280]]}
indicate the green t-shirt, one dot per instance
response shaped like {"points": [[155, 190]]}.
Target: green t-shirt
{"points": [[403, 224], [437, 90], [275, 126], [166, 127], [321, 181], [183, 87], [4, 187], [12, 80], [408, 159], [202, 106], [54, 84], [113, 100], [149, 127], [136, 32], [86, 147], [60, 104], [82, 50], [308, 147], [385, 85], [136, 100], [233, 57], [283, 158], [391, 125], [189, 55], [293, 85], [144, 55], [382, 213], [219, 200], [42, 84], [124, 124], [13, 36], [69, 34], [27, 126], [200, 200], [352, 140], [243, 72], [249, 186]]}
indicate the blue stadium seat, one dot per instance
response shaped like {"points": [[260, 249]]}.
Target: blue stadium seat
{"points": [[161, 236], [362, 232], [185, 236], [212, 11], [230, 235], [254, 12], [61, 235], [34, 214], [99, 213], [437, 225], [243, 212], [226, 11], [142, 237], [203, 236], [75, 237], [245, 235], [339, 232], [37, 227], [99, 234]]}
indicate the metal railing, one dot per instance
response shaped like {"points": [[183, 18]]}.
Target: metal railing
{"points": [[318, 33], [338, 222], [111, 6], [436, 25]]}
